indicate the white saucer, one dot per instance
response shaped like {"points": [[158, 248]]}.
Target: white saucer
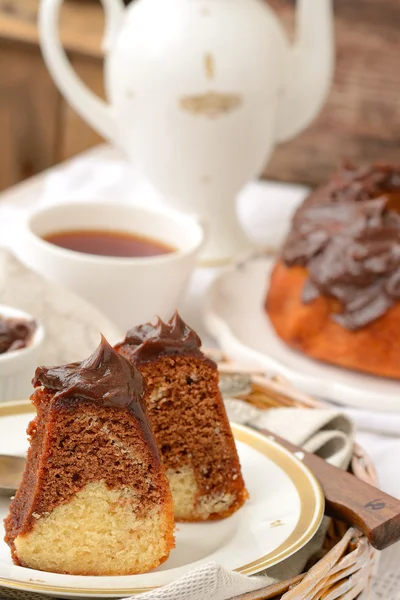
{"points": [[284, 512], [235, 316]]}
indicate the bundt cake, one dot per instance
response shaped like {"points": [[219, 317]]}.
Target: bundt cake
{"points": [[334, 294], [188, 418], [94, 499]]}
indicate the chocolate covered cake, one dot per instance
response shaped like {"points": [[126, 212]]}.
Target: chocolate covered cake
{"points": [[188, 418], [335, 292], [94, 499]]}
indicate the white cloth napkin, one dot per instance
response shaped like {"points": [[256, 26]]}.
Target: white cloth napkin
{"points": [[72, 325]]}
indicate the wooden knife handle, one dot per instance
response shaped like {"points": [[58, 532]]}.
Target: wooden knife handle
{"points": [[350, 499]]}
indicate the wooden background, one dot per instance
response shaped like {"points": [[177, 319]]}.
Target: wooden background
{"points": [[37, 127], [360, 121]]}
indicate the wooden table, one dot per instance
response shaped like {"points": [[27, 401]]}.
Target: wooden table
{"points": [[38, 127], [361, 119]]}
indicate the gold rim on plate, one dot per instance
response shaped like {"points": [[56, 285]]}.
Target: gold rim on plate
{"points": [[311, 512]]}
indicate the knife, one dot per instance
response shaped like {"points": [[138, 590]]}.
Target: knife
{"points": [[350, 499]]}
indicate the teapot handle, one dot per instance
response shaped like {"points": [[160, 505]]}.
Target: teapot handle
{"points": [[91, 108]]}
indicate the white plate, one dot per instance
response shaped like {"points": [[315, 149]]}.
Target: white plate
{"points": [[284, 512], [235, 316]]}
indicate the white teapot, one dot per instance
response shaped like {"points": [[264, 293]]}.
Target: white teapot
{"points": [[199, 93]]}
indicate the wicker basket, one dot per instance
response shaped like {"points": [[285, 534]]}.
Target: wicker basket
{"points": [[344, 567]]}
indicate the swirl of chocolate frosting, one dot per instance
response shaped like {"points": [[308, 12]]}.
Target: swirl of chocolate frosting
{"points": [[161, 339], [105, 377], [347, 235]]}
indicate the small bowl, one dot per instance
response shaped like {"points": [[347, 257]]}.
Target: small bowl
{"points": [[18, 366], [128, 290]]}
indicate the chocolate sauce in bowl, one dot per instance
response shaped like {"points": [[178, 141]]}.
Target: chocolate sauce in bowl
{"points": [[15, 333]]}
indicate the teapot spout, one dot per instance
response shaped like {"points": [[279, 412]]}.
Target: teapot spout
{"points": [[309, 70]]}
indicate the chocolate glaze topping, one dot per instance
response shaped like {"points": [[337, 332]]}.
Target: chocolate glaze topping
{"points": [[163, 339], [105, 377], [347, 234], [15, 333]]}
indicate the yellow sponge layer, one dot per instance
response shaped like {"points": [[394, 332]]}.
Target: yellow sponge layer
{"points": [[189, 505], [101, 531]]}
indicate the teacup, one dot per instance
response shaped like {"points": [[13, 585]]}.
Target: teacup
{"points": [[128, 290]]}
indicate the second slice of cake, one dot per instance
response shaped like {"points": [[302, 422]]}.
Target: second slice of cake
{"points": [[188, 418]]}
